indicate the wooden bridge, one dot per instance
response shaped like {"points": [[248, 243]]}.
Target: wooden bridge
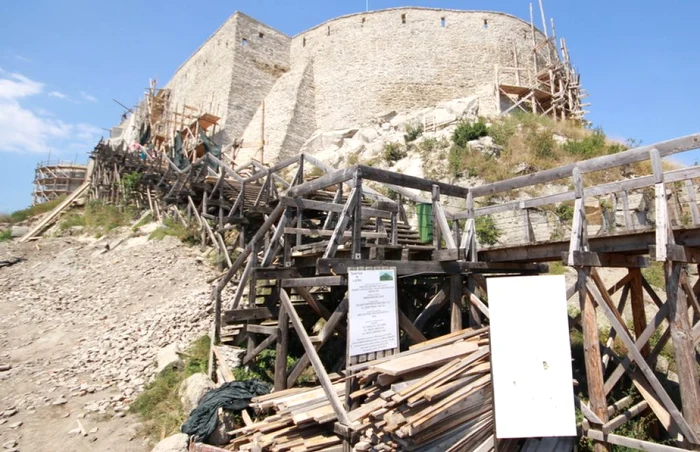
{"points": [[300, 225]]}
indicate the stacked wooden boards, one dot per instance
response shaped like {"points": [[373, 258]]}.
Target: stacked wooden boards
{"points": [[435, 396]]}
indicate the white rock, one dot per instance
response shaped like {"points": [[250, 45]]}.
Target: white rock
{"points": [[193, 389], [176, 443], [167, 356]]}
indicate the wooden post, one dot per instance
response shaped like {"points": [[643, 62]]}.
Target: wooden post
{"points": [[637, 302], [591, 349], [455, 303], [357, 220], [629, 224], [692, 202], [282, 350], [437, 236], [683, 344], [475, 320]]}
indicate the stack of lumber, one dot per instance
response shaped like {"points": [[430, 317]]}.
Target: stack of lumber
{"points": [[436, 396]]}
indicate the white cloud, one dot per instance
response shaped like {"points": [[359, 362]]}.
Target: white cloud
{"points": [[16, 86], [26, 130], [58, 95], [88, 97]]}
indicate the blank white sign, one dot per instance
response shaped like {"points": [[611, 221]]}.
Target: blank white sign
{"points": [[531, 357]]}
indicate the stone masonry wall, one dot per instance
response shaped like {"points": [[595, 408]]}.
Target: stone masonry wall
{"points": [[231, 73], [348, 71], [370, 64]]}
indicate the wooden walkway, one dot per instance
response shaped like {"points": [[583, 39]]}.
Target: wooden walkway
{"points": [[287, 236]]}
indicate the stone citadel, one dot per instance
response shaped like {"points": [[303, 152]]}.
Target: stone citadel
{"points": [[271, 92]]}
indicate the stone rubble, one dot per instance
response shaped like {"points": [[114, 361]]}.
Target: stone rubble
{"points": [[111, 312]]}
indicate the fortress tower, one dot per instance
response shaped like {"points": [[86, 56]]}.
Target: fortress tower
{"points": [[274, 89]]}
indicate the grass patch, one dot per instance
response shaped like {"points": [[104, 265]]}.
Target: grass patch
{"points": [[393, 152], [159, 405], [5, 235], [654, 274], [413, 131], [173, 228], [99, 218], [24, 214], [557, 268], [143, 221]]}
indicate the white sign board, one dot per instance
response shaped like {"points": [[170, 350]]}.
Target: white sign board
{"points": [[531, 357], [373, 314]]}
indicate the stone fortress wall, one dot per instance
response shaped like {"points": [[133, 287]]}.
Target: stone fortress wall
{"points": [[347, 71]]}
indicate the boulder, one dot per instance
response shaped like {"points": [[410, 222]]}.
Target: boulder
{"points": [[193, 389], [175, 443], [19, 231], [167, 357]]}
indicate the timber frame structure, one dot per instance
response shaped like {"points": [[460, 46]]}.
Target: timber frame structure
{"points": [[286, 238], [56, 179]]}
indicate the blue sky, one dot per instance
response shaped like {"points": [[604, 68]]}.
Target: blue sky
{"points": [[62, 63]]}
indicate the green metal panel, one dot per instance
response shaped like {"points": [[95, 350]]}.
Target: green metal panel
{"points": [[425, 222]]}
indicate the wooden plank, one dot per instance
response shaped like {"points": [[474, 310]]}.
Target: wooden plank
{"points": [[244, 314], [315, 281], [639, 319], [404, 180], [480, 305], [455, 303], [692, 202], [322, 182], [430, 358], [449, 255], [259, 348], [315, 360], [340, 266], [625, 416], [630, 442], [592, 259]]}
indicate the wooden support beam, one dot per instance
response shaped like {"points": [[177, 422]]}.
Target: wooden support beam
{"points": [[342, 225], [683, 346], [692, 202], [480, 305], [410, 329], [340, 266], [455, 303], [321, 373], [644, 367], [639, 318], [630, 442], [282, 350], [316, 281], [591, 259], [258, 348], [591, 347], [435, 304]]}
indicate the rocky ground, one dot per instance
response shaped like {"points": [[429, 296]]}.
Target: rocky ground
{"points": [[80, 330]]}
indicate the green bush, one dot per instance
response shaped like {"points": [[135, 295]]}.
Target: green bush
{"points": [[565, 212], [588, 147], [5, 235], [130, 182], [456, 159], [466, 132], [502, 131], [173, 228], [487, 232], [413, 131], [541, 143], [393, 152]]}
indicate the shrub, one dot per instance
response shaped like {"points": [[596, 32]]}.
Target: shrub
{"points": [[173, 228], [486, 230], [588, 147], [466, 132], [541, 144], [565, 212], [456, 159], [413, 131], [5, 235], [502, 131], [130, 182], [393, 152]]}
